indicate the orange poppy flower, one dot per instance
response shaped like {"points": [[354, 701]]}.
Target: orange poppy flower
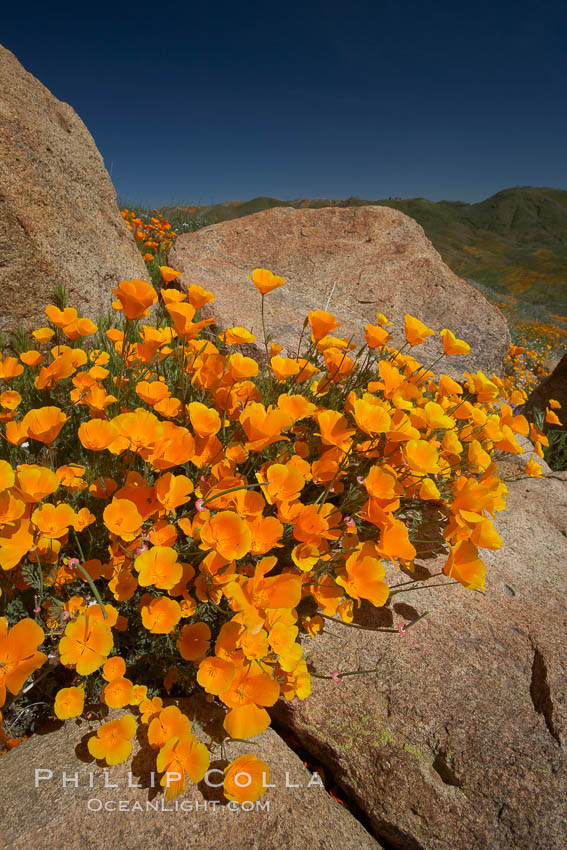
{"points": [[60, 318], [265, 281], [452, 345], [135, 297], [327, 595], [198, 296], [152, 391], [122, 518], [19, 657], [464, 565], [7, 475], [43, 335], [161, 615], [173, 490], [227, 534], [194, 641], [240, 367], [428, 490], [113, 668], [69, 702], [395, 543], [168, 407], [16, 540], [322, 323], [44, 424], [284, 367], [168, 274], [533, 469], [10, 368], [53, 521], [113, 740], [371, 417], [365, 576], [159, 567], [10, 400], [150, 708], [85, 644], [381, 485], [447, 386], [170, 723], [205, 420], [335, 429], [236, 336], [262, 428], [284, 483], [305, 556], [118, 692], [11, 508], [337, 363], [310, 525], [175, 447], [264, 592], [246, 779], [422, 456], [266, 532], [296, 406], [178, 758], [79, 328], [376, 336], [416, 332], [182, 315], [215, 675], [163, 534], [250, 690]]}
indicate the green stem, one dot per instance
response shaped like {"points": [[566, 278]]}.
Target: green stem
{"points": [[425, 587], [264, 330], [233, 490], [87, 577]]}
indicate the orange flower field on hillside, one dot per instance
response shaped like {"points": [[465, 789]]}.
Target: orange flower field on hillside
{"points": [[176, 519]]}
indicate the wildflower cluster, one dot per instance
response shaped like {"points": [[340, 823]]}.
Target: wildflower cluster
{"points": [[166, 506], [524, 368], [154, 237]]}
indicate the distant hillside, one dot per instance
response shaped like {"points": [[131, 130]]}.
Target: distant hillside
{"points": [[514, 242]]}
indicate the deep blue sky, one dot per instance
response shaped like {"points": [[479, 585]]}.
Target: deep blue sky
{"points": [[214, 101]]}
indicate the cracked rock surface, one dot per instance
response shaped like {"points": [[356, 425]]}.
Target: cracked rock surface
{"points": [[298, 815], [458, 742], [352, 262]]}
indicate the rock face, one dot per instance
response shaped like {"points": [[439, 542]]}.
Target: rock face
{"points": [[457, 742], [59, 223], [85, 818], [352, 262], [554, 386]]}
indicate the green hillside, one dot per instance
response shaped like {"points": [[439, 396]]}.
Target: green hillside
{"points": [[515, 242]]}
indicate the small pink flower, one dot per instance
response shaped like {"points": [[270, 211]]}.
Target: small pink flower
{"points": [[73, 562], [403, 629], [89, 715], [336, 677], [360, 479], [37, 610], [200, 506], [140, 549], [349, 521], [66, 615]]}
